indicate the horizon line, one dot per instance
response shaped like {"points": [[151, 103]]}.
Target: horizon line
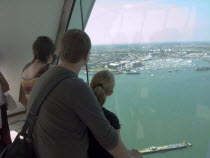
{"points": [[152, 43]]}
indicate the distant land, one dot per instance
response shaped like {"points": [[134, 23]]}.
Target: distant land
{"points": [[130, 58]]}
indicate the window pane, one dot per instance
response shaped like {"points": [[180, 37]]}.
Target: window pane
{"points": [[159, 52]]}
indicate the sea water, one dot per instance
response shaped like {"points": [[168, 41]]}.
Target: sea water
{"points": [[168, 103]]}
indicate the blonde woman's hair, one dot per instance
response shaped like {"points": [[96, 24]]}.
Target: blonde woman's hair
{"points": [[102, 84]]}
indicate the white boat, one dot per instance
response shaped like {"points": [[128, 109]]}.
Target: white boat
{"points": [[131, 72]]}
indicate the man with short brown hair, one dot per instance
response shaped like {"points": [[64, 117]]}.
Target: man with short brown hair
{"points": [[75, 44], [71, 107]]}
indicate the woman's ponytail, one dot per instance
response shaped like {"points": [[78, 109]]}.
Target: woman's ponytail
{"points": [[100, 94], [102, 85]]}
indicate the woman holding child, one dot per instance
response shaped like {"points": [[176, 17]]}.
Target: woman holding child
{"points": [[43, 51]]}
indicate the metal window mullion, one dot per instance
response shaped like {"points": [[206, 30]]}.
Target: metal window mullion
{"points": [[83, 28]]}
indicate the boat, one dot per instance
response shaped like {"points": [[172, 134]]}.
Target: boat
{"points": [[131, 72], [154, 149], [202, 68], [117, 72]]}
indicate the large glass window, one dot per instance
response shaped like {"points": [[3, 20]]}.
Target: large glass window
{"points": [[159, 51]]}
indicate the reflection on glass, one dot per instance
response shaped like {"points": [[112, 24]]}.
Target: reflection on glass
{"points": [[160, 55]]}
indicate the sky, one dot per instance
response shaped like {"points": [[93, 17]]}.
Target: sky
{"points": [[144, 21]]}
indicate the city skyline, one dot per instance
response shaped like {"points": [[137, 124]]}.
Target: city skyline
{"points": [[157, 21]]}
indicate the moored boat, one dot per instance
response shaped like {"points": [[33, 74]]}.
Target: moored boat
{"points": [[202, 68], [165, 147], [131, 72]]}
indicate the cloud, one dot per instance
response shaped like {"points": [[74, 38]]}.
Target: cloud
{"points": [[145, 21]]}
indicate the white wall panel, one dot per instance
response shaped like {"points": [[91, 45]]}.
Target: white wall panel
{"points": [[21, 22]]}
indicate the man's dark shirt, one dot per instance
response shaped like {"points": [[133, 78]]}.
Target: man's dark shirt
{"points": [[95, 149]]}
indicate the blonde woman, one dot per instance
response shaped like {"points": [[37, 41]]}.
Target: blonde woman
{"points": [[102, 84]]}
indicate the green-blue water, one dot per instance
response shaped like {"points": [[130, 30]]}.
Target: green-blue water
{"points": [[159, 107]]}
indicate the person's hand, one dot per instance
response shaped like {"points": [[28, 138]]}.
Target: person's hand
{"points": [[135, 154]]}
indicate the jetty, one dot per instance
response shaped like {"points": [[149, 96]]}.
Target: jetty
{"points": [[154, 149]]}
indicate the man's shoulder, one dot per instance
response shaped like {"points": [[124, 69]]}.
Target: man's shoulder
{"points": [[51, 75], [75, 84], [55, 72], [72, 84]]}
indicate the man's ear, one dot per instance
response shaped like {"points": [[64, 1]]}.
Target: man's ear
{"points": [[86, 57], [50, 58], [110, 93]]}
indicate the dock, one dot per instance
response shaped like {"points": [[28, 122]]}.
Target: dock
{"points": [[154, 149]]}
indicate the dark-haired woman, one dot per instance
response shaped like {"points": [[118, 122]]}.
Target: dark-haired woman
{"points": [[43, 51]]}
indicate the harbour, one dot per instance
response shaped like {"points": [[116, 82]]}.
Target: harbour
{"points": [[162, 108]]}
